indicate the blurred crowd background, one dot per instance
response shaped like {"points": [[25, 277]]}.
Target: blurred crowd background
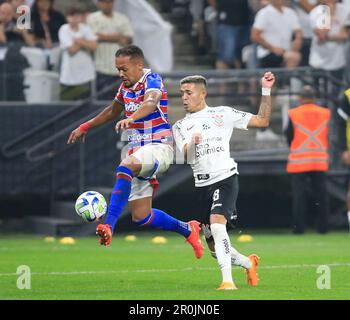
{"points": [[218, 34], [57, 69]]}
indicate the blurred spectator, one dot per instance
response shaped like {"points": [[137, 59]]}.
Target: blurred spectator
{"points": [[166, 5], [16, 4], [12, 63], [344, 138], [210, 22], [198, 27], [233, 29], [256, 5], [277, 31], [307, 135], [113, 31], [85, 5], [249, 52], [6, 20], [328, 48], [278, 34], [77, 68], [46, 22], [9, 32], [302, 9]]}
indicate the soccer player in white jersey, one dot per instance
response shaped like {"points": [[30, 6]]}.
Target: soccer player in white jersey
{"points": [[204, 138]]}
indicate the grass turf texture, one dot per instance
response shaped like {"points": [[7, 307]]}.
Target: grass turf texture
{"points": [[142, 270]]}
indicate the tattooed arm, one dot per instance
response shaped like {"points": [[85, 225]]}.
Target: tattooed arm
{"points": [[262, 119]]}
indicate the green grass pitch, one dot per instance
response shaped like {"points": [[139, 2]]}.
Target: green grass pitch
{"points": [[143, 270]]}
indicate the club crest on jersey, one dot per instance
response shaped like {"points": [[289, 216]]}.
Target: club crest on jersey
{"points": [[218, 120], [131, 106]]}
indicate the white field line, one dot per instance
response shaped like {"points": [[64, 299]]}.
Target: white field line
{"points": [[74, 273]]}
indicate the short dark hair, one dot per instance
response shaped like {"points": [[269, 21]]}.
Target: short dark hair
{"points": [[131, 51], [194, 79], [72, 11], [308, 92]]}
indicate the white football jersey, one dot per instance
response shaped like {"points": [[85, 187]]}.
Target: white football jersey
{"points": [[212, 162]]}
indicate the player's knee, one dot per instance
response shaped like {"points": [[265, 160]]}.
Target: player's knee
{"points": [[218, 218], [218, 230], [132, 164]]}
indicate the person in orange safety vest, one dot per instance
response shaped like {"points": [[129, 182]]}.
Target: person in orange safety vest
{"points": [[308, 160]]}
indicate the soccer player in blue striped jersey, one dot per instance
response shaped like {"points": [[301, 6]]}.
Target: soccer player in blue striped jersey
{"points": [[144, 98]]}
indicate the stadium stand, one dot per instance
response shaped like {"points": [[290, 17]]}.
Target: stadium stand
{"points": [[35, 159]]}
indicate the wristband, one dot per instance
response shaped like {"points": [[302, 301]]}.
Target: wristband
{"points": [[266, 91], [84, 128]]}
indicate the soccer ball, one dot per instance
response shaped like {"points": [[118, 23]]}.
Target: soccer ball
{"points": [[91, 206]]}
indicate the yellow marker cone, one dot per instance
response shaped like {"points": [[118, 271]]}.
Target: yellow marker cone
{"points": [[130, 237], [159, 240], [67, 240], [245, 238], [49, 239]]}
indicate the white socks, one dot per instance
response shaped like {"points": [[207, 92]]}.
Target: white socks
{"points": [[222, 250], [349, 219], [240, 260], [237, 259]]}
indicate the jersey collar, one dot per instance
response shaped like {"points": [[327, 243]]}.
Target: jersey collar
{"points": [[204, 110], [146, 72]]}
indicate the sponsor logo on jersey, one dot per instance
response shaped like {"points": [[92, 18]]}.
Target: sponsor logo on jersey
{"points": [[189, 128], [206, 149], [243, 114], [131, 106], [212, 139], [139, 137], [203, 176]]}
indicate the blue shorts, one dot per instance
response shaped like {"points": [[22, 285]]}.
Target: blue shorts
{"points": [[231, 40]]}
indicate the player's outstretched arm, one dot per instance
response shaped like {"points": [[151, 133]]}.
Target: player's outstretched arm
{"points": [[149, 104], [111, 112], [262, 119]]}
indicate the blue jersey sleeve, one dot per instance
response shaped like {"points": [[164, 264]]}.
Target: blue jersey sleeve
{"points": [[153, 82]]}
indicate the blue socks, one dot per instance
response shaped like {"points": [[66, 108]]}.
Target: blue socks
{"points": [[160, 220], [119, 196], [156, 219]]}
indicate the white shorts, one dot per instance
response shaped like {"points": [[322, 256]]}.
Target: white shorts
{"points": [[155, 158]]}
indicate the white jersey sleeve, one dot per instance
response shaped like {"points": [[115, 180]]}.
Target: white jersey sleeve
{"points": [[238, 119], [181, 136]]}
